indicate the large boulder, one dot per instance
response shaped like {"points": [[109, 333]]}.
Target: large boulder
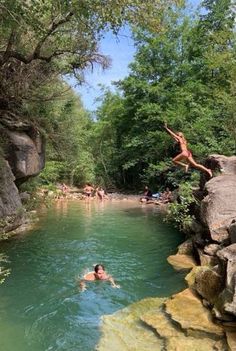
{"points": [[26, 154], [228, 259], [9, 196], [11, 214], [218, 208]]}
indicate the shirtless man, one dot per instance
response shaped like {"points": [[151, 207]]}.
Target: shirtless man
{"points": [[185, 154], [98, 274]]}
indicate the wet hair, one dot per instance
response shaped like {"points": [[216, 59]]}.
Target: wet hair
{"points": [[98, 266]]}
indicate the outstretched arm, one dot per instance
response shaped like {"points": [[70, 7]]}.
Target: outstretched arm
{"points": [[175, 136], [113, 284], [82, 285]]}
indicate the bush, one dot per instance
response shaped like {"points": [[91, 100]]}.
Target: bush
{"points": [[179, 211]]}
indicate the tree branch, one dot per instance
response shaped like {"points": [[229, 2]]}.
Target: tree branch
{"points": [[36, 55]]}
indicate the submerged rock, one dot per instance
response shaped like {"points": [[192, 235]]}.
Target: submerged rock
{"points": [[145, 326], [124, 331], [181, 261], [175, 339], [187, 310]]}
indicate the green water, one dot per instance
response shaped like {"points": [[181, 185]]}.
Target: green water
{"points": [[41, 307]]}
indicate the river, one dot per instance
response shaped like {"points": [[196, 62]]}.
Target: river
{"points": [[41, 307]]}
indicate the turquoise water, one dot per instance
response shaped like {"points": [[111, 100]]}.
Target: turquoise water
{"points": [[41, 307]]}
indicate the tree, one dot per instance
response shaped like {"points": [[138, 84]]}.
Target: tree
{"points": [[186, 76]]}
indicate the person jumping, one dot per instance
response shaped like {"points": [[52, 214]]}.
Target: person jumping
{"points": [[185, 153]]}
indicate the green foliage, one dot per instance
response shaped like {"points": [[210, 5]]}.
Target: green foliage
{"points": [[184, 75], [52, 172], [179, 211], [4, 272]]}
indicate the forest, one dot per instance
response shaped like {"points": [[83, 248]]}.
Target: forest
{"points": [[183, 73]]}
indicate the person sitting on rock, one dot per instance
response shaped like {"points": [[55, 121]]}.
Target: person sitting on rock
{"points": [[147, 195]]}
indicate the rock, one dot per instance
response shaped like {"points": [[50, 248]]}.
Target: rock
{"points": [[24, 197], [221, 163], [180, 262], [123, 330], [212, 249], [232, 231], [174, 338], [207, 260], [187, 310], [218, 208], [25, 154], [228, 259], [186, 248], [190, 277], [231, 340], [10, 202], [196, 227], [208, 284]]}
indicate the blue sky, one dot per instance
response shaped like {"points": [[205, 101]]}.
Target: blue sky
{"points": [[121, 51]]}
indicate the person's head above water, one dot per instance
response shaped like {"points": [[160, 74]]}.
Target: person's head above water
{"points": [[99, 270]]}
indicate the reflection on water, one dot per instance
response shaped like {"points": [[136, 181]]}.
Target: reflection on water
{"points": [[41, 307]]}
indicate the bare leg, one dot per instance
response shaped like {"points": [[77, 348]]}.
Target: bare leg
{"points": [[198, 166], [177, 160]]}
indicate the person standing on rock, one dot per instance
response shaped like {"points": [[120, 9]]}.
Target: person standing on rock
{"points": [[185, 154]]}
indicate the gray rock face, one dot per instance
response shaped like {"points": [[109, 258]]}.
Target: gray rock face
{"points": [[25, 155], [10, 201], [218, 208], [215, 247], [232, 232], [25, 149], [221, 163], [208, 284]]}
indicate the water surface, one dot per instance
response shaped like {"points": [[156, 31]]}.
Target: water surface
{"points": [[41, 307]]}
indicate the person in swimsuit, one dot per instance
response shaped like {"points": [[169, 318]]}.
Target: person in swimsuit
{"points": [[185, 153], [99, 273], [88, 190]]}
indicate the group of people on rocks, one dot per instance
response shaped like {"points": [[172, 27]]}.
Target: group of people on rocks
{"points": [[157, 198], [184, 159], [90, 191]]}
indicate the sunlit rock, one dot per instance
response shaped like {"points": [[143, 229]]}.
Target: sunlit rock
{"points": [[181, 261], [124, 331], [208, 283], [186, 248], [187, 310], [218, 208], [205, 259], [174, 338], [232, 231], [10, 201], [25, 154], [231, 340], [228, 258]]}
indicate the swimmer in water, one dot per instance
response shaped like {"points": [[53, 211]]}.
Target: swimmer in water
{"points": [[185, 154], [99, 273]]}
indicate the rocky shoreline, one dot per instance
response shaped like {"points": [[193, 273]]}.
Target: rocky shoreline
{"points": [[209, 252], [203, 316]]}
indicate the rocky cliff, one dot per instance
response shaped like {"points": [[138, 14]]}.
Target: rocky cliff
{"points": [[214, 244], [22, 157]]}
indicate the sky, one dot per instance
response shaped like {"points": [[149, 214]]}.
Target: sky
{"points": [[121, 51]]}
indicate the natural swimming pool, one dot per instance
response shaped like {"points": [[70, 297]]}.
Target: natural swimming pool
{"points": [[41, 307]]}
